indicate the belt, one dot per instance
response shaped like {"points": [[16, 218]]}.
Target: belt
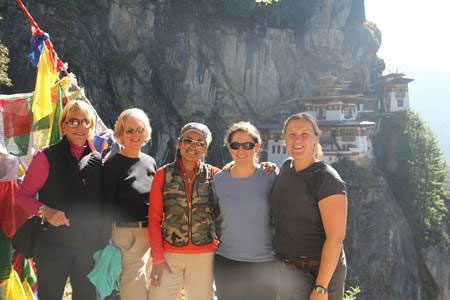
{"points": [[142, 224], [303, 263]]}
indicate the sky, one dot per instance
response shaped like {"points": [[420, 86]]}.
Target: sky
{"points": [[416, 41]]}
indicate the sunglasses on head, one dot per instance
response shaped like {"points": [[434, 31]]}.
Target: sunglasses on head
{"points": [[188, 142], [74, 123], [245, 146], [131, 131]]}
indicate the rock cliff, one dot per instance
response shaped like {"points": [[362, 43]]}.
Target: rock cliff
{"points": [[210, 60], [218, 61]]}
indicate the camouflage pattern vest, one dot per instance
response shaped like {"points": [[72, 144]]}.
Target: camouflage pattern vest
{"points": [[184, 221]]}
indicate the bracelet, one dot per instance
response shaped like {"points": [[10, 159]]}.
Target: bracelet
{"points": [[41, 213]]}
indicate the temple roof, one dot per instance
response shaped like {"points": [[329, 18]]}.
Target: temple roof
{"points": [[357, 98], [327, 123]]}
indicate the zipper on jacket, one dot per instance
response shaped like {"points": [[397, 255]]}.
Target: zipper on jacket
{"points": [[189, 210]]}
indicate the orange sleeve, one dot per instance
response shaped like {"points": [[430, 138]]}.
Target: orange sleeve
{"points": [[214, 171], [155, 216]]}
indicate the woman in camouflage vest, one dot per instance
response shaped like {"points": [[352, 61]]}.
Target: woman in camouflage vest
{"points": [[181, 225]]}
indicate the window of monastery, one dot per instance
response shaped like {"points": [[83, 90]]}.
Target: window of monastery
{"points": [[321, 115], [348, 134], [348, 112], [400, 93], [326, 137]]}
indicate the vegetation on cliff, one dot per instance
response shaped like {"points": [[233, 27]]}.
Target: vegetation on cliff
{"points": [[408, 152]]}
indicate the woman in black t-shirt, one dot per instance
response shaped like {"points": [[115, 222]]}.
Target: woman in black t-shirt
{"points": [[127, 179], [309, 206]]}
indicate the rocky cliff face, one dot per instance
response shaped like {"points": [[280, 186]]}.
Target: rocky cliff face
{"points": [[382, 259], [209, 60], [219, 61]]}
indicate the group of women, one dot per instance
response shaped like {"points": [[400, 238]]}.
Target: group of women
{"points": [[256, 234]]}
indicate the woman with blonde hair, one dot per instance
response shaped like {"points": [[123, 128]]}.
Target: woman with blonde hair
{"points": [[67, 179], [309, 207], [127, 179], [244, 263]]}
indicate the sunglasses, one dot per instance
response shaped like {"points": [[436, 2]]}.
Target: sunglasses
{"points": [[138, 130], [245, 146], [188, 142], [74, 123]]}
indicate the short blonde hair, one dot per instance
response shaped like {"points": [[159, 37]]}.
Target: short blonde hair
{"points": [[85, 108], [137, 113], [318, 153]]}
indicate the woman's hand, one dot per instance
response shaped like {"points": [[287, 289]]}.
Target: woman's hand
{"points": [[317, 296], [269, 167], [157, 273], [55, 217], [228, 166]]}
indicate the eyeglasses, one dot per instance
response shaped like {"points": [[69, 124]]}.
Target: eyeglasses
{"points": [[188, 142], [245, 146], [74, 123], [138, 130]]}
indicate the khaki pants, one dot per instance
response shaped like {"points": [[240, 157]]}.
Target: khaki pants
{"points": [[134, 247], [193, 272]]}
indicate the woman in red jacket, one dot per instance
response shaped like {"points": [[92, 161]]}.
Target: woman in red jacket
{"points": [[181, 225]]}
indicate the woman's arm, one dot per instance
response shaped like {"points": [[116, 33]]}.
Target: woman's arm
{"points": [[155, 217], [109, 196], [34, 180], [333, 211]]}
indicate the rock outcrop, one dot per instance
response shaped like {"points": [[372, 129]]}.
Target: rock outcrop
{"points": [[214, 61]]}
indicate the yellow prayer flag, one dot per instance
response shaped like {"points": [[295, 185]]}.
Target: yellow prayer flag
{"points": [[46, 77]]}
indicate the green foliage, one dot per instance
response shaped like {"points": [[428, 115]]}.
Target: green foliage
{"points": [[358, 180], [428, 172], [419, 180], [4, 60], [351, 293]]}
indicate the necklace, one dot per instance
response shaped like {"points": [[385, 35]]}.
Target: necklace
{"points": [[188, 177]]}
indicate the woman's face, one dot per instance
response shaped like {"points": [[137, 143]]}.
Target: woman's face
{"points": [[192, 146], [76, 127], [300, 139], [243, 148], [134, 133]]}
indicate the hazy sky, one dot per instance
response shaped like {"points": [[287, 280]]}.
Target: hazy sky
{"points": [[416, 41], [413, 32]]}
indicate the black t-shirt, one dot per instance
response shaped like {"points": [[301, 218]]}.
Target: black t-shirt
{"points": [[294, 202], [126, 186]]}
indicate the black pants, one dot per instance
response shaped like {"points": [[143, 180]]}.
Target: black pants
{"points": [[56, 264], [237, 280]]}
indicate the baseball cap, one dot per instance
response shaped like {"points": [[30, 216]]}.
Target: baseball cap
{"points": [[200, 128]]}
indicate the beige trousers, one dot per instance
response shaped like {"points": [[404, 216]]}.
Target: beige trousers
{"points": [[193, 272], [135, 249]]}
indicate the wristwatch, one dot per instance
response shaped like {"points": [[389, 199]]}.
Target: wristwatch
{"points": [[320, 289]]}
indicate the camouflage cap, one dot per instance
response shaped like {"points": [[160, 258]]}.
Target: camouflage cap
{"points": [[200, 128]]}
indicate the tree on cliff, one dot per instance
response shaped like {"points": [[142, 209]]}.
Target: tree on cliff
{"points": [[427, 176], [4, 60], [419, 177]]}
